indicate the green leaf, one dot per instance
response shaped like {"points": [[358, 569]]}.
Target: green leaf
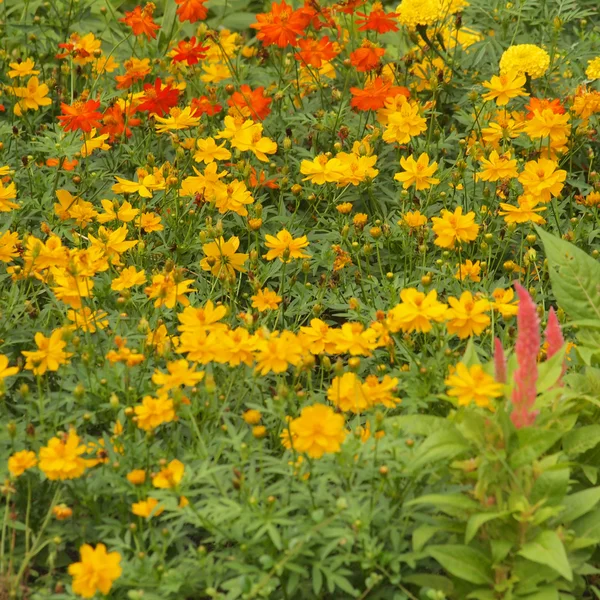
{"points": [[317, 579], [549, 371], [548, 549], [575, 277], [421, 535], [463, 562], [418, 424], [436, 582], [440, 445], [533, 443], [238, 21], [578, 504], [588, 526], [548, 592], [446, 501], [476, 521], [581, 440]]}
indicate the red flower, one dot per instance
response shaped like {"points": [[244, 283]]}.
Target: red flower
{"points": [[282, 26], [366, 58], [191, 10], [375, 93], [249, 103], [141, 22], [80, 115], [348, 6], [114, 122], [377, 20], [158, 99], [204, 106], [315, 52], [541, 104], [261, 180], [189, 52]]}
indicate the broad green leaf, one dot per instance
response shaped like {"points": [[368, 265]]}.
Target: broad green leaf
{"points": [[550, 371], [436, 582], [548, 549], [442, 445], [463, 562], [575, 277], [578, 504], [548, 592], [533, 443], [476, 521], [419, 424], [581, 440], [421, 535], [446, 501], [588, 526]]}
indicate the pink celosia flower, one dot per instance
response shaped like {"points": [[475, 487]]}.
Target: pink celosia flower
{"points": [[526, 350], [555, 340], [499, 361]]}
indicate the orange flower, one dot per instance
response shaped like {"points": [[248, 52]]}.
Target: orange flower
{"points": [[189, 52], [62, 163], [191, 10], [542, 104], [141, 22], [375, 93], [250, 103], [80, 115], [367, 57], [281, 27], [135, 70], [377, 20], [115, 124], [315, 52]]}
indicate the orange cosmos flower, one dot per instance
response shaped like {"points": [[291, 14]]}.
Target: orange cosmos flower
{"points": [[80, 116], [375, 93], [377, 20], [367, 57], [542, 104], [189, 52], [250, 103], [191, 10], [316, 52], [158, 99], [141, 22], [135, 70], [115, 124], [282, 26]]}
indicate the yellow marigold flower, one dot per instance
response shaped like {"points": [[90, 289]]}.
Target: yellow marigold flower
{"points": [[417, 172], [414, 219], [7, 194], [526, 211], [503, 88], [50, 353], [222, 258], [284, 247], [179, 374], [252, 416], [137, 476], [5, 370], [412, 13], [62, 512], [416, 312], [61, 458], [20, 461], [525, 59], [467, 315], [154, 412], [473, 384], [277, 351], [592, 71], [170, 476], [542, 179], [177, 120], [317, 431], [168, 289], [22, 69], [96, 572], [469, 270], [265, 299], [453, 227], [498, 166], [547, 123], [346, 394], [503, 302], [147, 508], [404, 124]]}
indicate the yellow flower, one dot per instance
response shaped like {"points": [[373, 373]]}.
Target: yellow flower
{"points": [[5, 370], [179, 373], [505, 87], [469, 270], [96, 572], [381, 392], [246, 136], [213, 73], [452, 227], [136, 477], [498, 167], [503, 302], [169, 288], [265, 299], [252, 416], [177, 120], [276, 351], [404, 124], [526, 211], [284, 247], [7, 194], [8, 246], [112, 243], [473, 384], [49, 355], [418, 173], [209, 151], [93, 142], [322, 170], [61, 458], [20, 461], [62, 512], [149, 222], [467, 315], [222, 258], [314, 338], [317, 431], [346, 394], [547, 123], [127, 278], [416, 312], [525, 59], [22, 69], [413, 219], [87, 319], [412, 13], [112, 211], [170, 476], [542, 179], [154, 412], [32, 96], [259, 432], [352, 338], [147, 508], [592, 71]]}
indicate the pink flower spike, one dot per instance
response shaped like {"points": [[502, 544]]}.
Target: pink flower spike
{"points": [[554, 339], [499, 361], [526, 350]]}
